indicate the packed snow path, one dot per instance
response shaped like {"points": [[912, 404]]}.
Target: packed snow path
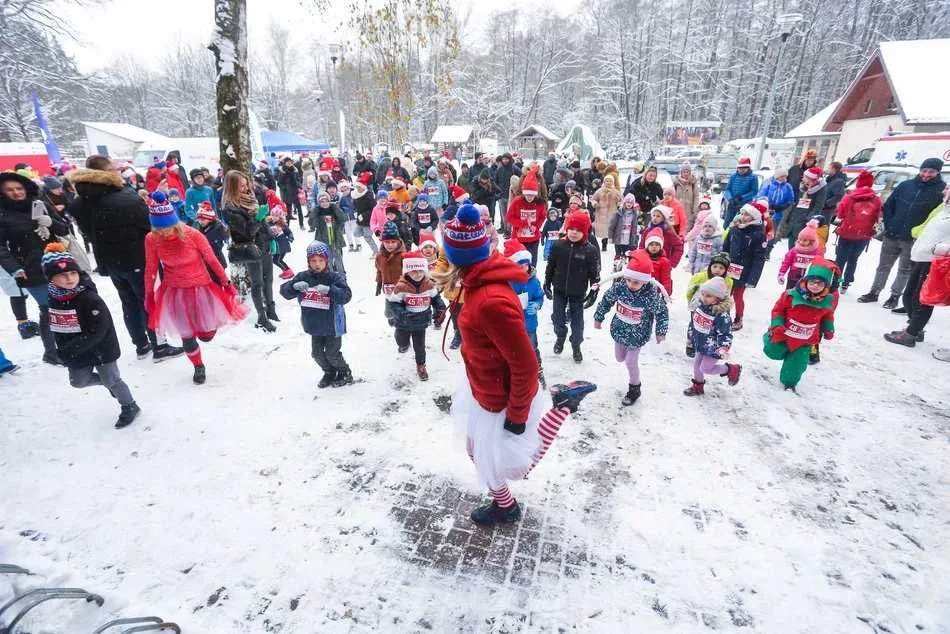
{"points": [[256, 503]]}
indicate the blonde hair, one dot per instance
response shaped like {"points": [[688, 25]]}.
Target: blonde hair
{"points": [[448, 278], [178, 229], [232, 194]]}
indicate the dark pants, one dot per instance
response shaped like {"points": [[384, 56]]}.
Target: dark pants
{"points": [[18, 305], [418, 342], [131, 286], [846, 257], [532, 248], [503, 211], [278, 259], [106, 375], [563, 303], [455, 309], [327, 352], [292, 203], [261, 274], [620, 250], [918, 314]]}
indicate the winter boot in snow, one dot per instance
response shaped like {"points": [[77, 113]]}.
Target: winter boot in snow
{"points": [[920, 336], [632, 395], [790, 388], [891, 302], [901, 337], [814, 356], [571, 395], [52, 358], [328, 378], [900, 310], [164, 352], [10, 369], [559, 344], [456, 341], [422, 372], [578, 357], [272, 310], [868, 298], [200, 375], [843, 289], [143, 351], [737, 324], [127, 415], [494, 514], [264, 323], [343, 377], [734, 372], [698, 388], [690, 351], [28, 329], [402, 349]]}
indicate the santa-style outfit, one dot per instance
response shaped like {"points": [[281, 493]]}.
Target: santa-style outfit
{"points": [[526, 218]]}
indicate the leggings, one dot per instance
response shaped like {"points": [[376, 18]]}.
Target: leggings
{"points": [[418, 342], [738, 296], [192, 350], [918, 314], [278, 259], [703, 365], [630, 356]]}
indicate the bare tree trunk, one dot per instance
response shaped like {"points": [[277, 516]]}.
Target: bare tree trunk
{"points": [[229, 46]]}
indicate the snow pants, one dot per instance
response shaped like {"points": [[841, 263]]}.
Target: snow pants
{"points": [[327, 352], [794, 362]]}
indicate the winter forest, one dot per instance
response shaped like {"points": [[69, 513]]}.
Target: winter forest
{"points": [[400, 68]]}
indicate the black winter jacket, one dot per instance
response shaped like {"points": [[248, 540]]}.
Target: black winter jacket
{"points": [[363, 209], [483, 195], [289, 181], [836, 188], [113, 216], [328, 225], [245, 228], [909, 205], [746, 247], [83, 329], [647, 195], [20, 246], [320, 315], [424, 219], [217, 235], [572, 267]]}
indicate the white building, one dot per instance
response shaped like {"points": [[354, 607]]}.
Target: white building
{"points": [[118, 140], [810, 134]]}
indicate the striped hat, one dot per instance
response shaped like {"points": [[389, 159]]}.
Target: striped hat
{"points": [[206, 211], [317, 249], [56, 260], [161, 214], [464, 238]]}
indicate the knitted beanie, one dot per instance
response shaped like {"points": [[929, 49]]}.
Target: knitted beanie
{"points": [[464, 238], [529, 185], [666, 211], [422, 197], [631, 200], [390, 231], [516, 252], [382, 195], [715, 286], [579, 220], [809, 231], [414, 261], [317, 249], [161, 214], [56, 259]]}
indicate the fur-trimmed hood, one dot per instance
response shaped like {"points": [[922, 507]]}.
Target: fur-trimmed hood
{"points": [[95, 183], [723, 307]]}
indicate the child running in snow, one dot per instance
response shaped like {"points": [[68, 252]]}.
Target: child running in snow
{"points": [[82, 327], [283, 236], [378, 217], [551, 230], [705, 245], [800, 256], [321, 294], [718, 267], [623, 226], [389, 264], [703, 211], [413, 299], [194, 298], [660, 219], [213, 230], [800, 318], [424, 218], [710, 335], [639, 303], [394, 215], [529, 294], [662, 268], [746, 245]]}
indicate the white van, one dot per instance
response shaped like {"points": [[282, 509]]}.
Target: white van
{"points": [[778, 152], [901, 149]]}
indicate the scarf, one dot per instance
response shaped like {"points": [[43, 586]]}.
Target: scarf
{"points": [[811, 190], [64, 294]]}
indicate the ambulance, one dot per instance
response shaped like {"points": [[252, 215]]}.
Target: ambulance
{"points": [[908, 150]]}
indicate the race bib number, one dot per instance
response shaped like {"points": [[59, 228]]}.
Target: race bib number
{"points": [[803, 260], [388, 289], [64, 321], [798, 330], [553, 235], [417, 303], [424, 218], [804, 202], [312, 299], [328, 220], [528, 217], [735, 271], [432, 190], [702, 322], [629, 314], [526, 232], [625, 233], [704, 247]]}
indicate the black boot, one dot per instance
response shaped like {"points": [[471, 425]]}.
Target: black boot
{"points": [[143, 350], [199, 375], [328, 378], [559, 344], [128, 414], [633, 393], [264, 323], [571, 395], [343, 377], [603, 244], [578, 357], [49, 341], [891, 302], [868, 298], [272, 312], [494, 514]]}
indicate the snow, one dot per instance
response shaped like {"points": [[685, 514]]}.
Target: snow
{"points": [[814, 125], [921, 99], [537, 130], [127, 131], [585, 138], [226, 506], [452, 134]]}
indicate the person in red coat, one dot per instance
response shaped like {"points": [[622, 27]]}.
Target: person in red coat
{"points": [[510, 424], [154, 176], [527, 214], [857, 216], [173, 177], [662, 268], [661, 217]]}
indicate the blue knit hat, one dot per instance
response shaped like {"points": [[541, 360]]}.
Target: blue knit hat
{"points": [[382, 195], [390, 231], [422, 197], [161, 215], [465, 241], [318, 249]]}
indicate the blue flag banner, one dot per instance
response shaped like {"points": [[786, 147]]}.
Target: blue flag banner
{"points": [[52, 150]]}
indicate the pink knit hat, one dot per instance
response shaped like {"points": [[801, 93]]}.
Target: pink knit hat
{"points": [[809, 232]]}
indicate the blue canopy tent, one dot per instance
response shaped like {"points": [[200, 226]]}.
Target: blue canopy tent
{"points": [[278, 141]]}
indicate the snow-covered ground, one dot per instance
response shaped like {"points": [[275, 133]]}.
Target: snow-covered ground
{"points": [[256, 503]]}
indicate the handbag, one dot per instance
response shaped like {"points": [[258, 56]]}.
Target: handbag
{"points": [[79, 254], [241, 252]]}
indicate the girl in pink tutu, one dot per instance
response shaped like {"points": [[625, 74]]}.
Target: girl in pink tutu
{"points": [[194, 297]]}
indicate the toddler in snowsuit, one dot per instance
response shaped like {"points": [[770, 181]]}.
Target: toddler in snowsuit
{"points": [[638, 302], [551, 230], [216, 233], [389, 264], [530, 294], [800, 256], [413, 299], [82, 327], [321, 294], [623, 226], [800, 318], [662, 268], [710, 334], [423, 218], [706, 244]]}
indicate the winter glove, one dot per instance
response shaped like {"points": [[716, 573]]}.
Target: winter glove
{"points": [[302, 286], [20, 275], [828, 334], [515, 428], [379, 288], [438, 318], [531, 309], [44, 221], [591, 298], [660, 338], [598, 325], [781, 278], [547, 292], [323, 289], [42, 232]]}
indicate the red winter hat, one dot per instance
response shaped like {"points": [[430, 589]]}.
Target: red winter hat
{"points": [[745, 161], [529, 185], [865, 179], [639, 266], [365, 178], [515, 251], [653, 235], [755, 207], [414, 261], [427, 238], [457, 193], [814, 173], [579, 220]]}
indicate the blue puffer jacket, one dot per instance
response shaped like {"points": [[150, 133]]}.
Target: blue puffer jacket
{"points": [[532, 298], [710, 328], [320, 315], [741, 189], [346, 206], [780, 195], [909, 205], [636, 311]]}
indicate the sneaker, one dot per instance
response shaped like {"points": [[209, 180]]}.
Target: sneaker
{"points": [[200, 375], [571, 395], [843, 289], [734, 372], [891, 302], [920, 337], [737, 324], [10, 369], [456, 342], [868, 298], [494, 514], [559, 345], [286, 274], [698, 388], [902, 338], [578, 357], [343, 377], [901, 310], [633, 394], [327, 380], [422, 372], [143, 351], [265, 325], [128, 414], [28, 329], [790, 388], [52, 358], [165, 352]]}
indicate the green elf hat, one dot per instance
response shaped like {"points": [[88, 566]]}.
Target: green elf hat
{"points": [[822, 269]]}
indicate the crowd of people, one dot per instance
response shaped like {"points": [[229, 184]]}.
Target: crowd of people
{"points": [[462, 247]]}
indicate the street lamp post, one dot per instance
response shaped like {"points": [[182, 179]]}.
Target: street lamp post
{"points": [[336, 53], [786, 23]]}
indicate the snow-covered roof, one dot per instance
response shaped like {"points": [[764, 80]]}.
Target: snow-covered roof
{"points": [[537, 130], [814, 125], [125, 131], [909, 66], [452, 134]]}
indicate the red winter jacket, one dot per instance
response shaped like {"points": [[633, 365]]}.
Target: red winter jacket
{"points": [[526, 219], [859, 211], [499, 357], [799, 323], [672, 245], [153, 178], [662, 272]]}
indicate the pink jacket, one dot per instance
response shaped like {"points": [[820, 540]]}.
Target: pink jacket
{"points": [[378, 218], [698, 226], [800, 260]]}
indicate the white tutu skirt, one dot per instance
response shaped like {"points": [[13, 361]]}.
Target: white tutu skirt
{"points": [[499, 456]]}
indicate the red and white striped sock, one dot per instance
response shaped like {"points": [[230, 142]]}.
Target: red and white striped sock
{"points": [[503, 497], [194, 356], [550, 425]]}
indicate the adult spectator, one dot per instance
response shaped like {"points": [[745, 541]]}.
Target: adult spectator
{"points": [[173, 160], [561, 195], [445, 165], [636, 173], [361, 165], [907, 206], [465, 178], [289, 181], [382, 169], [686, 188], [811, 202], [506, 169], [857, 215], [550, 166], [478, 166], [484, 192], [606, 201], [398, 171], [265, 175], [837, 182], [742, 187], [797, 172], [22, 241], [116, 220], [647, 191]]}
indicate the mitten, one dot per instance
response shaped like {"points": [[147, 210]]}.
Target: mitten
{"points": [[598, 325], [379, 288], [591, 298], [44, 221], [323, 289], [515, 428], [301, 286], [438, 318], [829, 334], [42, 232], [547, 291], [781, 278]]}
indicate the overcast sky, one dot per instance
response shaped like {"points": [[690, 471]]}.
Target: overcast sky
{"points": [[106, 30]]}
